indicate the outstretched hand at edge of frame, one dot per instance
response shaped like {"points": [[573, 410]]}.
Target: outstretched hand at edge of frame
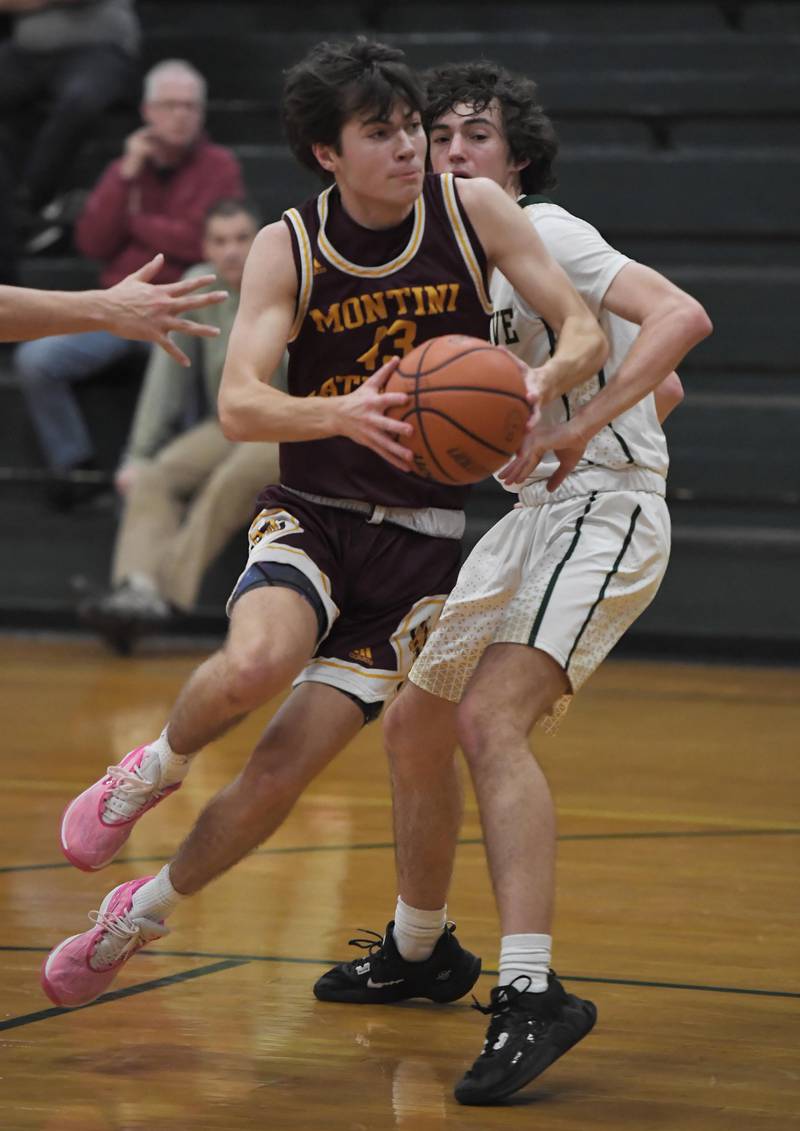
{"points": [[148, 312]]}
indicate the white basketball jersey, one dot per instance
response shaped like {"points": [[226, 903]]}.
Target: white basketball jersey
{"points": [[632, 441]]}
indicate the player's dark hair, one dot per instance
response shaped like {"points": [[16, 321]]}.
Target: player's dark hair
{"points": [[528, 130], [334, 82], [232, 206]]}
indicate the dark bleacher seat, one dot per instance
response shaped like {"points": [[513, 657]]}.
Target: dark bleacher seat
{"points": [[107, 402], [736, 133], [729, 442], [626, 75], [771, 17], [754, 310], [243, 17], [728, 589], [622, 192], [63, 273], [666, 252], [574, 18]]}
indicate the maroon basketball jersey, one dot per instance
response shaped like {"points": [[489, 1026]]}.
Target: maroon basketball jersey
{"points": [[365, 296]]}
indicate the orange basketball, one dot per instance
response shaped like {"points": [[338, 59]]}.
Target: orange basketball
{"points": [[467, 404]]}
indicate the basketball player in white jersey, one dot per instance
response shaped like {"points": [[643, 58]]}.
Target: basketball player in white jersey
{"points": [[539, 602]]}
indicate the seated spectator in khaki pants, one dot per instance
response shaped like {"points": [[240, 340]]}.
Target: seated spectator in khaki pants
{"points": [[185, 495]]}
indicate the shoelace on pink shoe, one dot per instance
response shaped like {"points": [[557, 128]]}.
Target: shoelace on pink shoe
{"points": [[121, 938], [130, 792]]}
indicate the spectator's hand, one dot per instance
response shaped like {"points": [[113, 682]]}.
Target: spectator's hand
{"points": [[147, 312], [124, 477], [139, 147], [361, 417]]}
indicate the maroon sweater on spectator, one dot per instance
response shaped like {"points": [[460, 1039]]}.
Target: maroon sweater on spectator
{"points": [[125, 223]]}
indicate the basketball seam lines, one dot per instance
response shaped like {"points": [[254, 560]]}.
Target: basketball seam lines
{"points": [[472, 389], [456, 424], [417, 409], [447, 361]]}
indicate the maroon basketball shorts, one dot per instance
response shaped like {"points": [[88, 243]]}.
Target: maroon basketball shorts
{"points": [[378, 589]]}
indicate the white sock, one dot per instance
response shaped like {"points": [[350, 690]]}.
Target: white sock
{"points": [[157, 898], [160, 759], [417, 932], [525, 956]]}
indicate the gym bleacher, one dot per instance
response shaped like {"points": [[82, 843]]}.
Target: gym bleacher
{"points": [[680, 132]]}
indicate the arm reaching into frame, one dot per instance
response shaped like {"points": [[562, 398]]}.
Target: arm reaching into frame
{"points": [[671, 322], [134, 308]]}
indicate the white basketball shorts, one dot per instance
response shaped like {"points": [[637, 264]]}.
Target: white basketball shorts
{"points": [[567, 577]]}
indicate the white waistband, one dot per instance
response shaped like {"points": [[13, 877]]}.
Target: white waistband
{"points": [[435, 522], [589, 479]]}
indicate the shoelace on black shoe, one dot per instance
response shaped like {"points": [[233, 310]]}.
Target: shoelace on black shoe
{"points": [[503, 997], [376, 942], [372, 945], [503, 1002]]}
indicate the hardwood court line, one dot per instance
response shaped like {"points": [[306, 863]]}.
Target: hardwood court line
{"points": [[658, 834], [244, 959], [674, 818], [129, 991], [774, 700]]}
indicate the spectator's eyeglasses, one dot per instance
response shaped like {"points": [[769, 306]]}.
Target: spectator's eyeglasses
{"points": [[173, 104]]}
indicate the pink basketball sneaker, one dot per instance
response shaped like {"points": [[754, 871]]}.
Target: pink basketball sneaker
{"points": [[99, 821], [84, 966]]}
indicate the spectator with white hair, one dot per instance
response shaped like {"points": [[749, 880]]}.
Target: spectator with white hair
{"points": [[153, 198]]}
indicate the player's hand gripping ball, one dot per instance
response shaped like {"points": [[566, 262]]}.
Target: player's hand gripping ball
{"points": [[467, 404]]}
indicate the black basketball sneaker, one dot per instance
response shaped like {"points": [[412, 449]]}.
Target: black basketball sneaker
{"points": [[526, 1034], [383, 976]]}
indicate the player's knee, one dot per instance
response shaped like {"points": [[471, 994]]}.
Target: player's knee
{"points": [[395, 726], [149, 477], [32, 363], [479, 730], [404, 727], [254, 672]]}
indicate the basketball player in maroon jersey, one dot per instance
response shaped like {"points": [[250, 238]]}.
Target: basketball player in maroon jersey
{"points": [[352, 556]]}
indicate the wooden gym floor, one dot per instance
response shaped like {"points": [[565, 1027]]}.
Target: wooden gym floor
{"points": [[677, 788]]}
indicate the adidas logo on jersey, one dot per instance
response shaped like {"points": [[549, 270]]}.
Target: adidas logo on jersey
{"points": [[318, 267], [362, 656]]}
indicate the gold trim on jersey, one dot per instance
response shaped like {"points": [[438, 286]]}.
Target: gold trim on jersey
{"points": [[339, 261], [463, 240], [306, 269]]}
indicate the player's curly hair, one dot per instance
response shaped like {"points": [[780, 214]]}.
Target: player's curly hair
{"points": [[528, 130], [337, 80]]}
